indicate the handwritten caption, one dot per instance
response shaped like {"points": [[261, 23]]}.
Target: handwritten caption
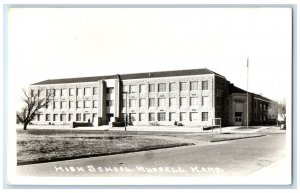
{"points": [[142, 169]]}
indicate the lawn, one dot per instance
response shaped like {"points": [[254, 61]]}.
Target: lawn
{"points": [[36, 146]]}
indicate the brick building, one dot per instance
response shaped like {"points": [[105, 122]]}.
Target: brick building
{"points": [[191, 97]]}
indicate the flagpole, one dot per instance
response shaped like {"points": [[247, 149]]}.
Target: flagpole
{"points": [[247, 92]]}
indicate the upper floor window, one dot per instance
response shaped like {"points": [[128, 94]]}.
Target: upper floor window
{"points": [[132, 102], [64, 92], [172, 86], [63, 104], [87, 104], [79, 92], [183, 101], [87, 91], [95, 90], [110, 90], [183, 86], [194, 101], [109, 103], [142, 88], [151, 102], [194, 85], [205, 85], [72, 92], [56, 92], [151, 87], [132, 88], [205, 101], [142, 102], [161, 102], [162, 87]]}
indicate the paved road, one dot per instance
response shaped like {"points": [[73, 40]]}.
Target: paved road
{"points": [[234, 158]]}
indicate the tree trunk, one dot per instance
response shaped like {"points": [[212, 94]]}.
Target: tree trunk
{"points": [[25, 126]]}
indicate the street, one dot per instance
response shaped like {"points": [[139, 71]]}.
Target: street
{"points": [[230, 158]]}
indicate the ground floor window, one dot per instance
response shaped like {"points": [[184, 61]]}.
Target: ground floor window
{"points": [[70, 117], [172, 116], [62, 117], [151, 117], [161, 116], [204, 116], [47, 118], [142, 117], [78, 117], [132, 117], [86, 117], [55, 117], [183, 116], [194, 116]]}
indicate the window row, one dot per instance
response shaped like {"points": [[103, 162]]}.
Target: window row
{"points": [[162, 87], [87, 91], [161, 116], [71, 104], [67, 117], [173, 102]]}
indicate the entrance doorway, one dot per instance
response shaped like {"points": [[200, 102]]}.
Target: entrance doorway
{"points": [[238, 118], [110, 117]]}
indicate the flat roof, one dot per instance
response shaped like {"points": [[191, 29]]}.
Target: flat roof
{"points": [[131, 76]]}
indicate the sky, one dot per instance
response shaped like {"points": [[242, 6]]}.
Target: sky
{"points": [[50, 43]]}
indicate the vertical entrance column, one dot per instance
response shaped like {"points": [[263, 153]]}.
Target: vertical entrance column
{"points": [[102, 103]]}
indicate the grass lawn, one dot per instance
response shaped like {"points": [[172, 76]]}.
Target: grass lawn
{"points": [[35, 146]]}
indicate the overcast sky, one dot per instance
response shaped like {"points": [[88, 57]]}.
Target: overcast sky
{"points": [[54, 43]]}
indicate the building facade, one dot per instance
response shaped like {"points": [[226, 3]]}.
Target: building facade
{"points": [[191, 97]]}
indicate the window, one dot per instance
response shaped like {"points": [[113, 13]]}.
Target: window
{"points": [[151, 102], [194, 116], [55, 105], [151, 117], [71, 104], [95, 104], [194, 101], [109, 103], [47, 118], [56, 92], [124, 103], [172, 86], [124, 88], [161, 102], [48, 92], [183, 86], [151, 87], [63, 104], [70, 117], [79, 92], [40, 93], [142, 102], [204, 116], [132, 88], [183, 101], [142, 88], [219, 93], [142, 117], [172, 116], [109, 90], [62, 117], [86, 117], [72, 92], [38, 117], [161, 116], [183, 116], [87, 104], [162, 87], [78, 117], [79, 104], [55, 117], [95, 90], [132, 102], [194, 85], [64, 92], [173, 102], [87, 91], [132, 117], [205, 85], [260, 106], [205, 101]]}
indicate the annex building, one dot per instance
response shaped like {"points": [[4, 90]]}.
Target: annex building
{"points": [[191, 97]]}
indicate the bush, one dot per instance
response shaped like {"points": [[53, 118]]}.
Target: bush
{"points": [[154, 124]]}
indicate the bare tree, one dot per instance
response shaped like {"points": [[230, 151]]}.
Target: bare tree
{"points": [[277, 110], [32, 104]]}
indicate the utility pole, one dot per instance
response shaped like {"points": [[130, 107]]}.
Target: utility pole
{"points": [[247, 93]]}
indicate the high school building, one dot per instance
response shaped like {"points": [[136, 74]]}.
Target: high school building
{"points": [[190, 97]]}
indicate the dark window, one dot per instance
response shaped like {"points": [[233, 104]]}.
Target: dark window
{"points": [[205, 85]]}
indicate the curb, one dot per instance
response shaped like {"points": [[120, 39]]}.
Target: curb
{"points": [[147, 148], [235, 138]]}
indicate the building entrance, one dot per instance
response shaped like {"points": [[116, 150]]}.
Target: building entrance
{"points": [[238, 118]]}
